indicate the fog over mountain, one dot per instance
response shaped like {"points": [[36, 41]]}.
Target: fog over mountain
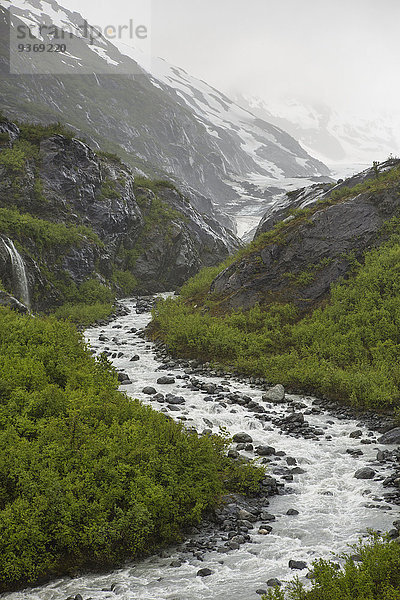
{"points": [[258, 50]]}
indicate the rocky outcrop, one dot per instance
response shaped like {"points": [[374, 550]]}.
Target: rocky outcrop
{"points": [[299, 262], [165, 122], [150, 230]]}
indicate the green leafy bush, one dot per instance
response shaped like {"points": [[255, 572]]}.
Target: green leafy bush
{"points": [[88, 477], [126, 282], [350, 349], [375, 577], [45, 233]]}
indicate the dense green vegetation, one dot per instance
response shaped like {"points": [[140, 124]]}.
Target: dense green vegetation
{"points": [[87, 476], [349, 349], [44, 233], [376, 576]]}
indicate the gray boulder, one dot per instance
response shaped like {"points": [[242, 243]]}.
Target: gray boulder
{"points": [[365, 473], [297, 564], [276, 395], [390, 437], [242, 438]]}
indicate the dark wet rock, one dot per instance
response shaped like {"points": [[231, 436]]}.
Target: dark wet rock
{"points": [[165, 380], [390, 437], [354, 451], [174, 399], [204, 572], [356, 434], [292, 512], [135, 358], [274, 582], [297, 564], [267, 517], [149, 390], [122, 377], [294, 418], [297, 471], [291, 461], [265, 450], [261, 591], [242, 438], [365, 473]]}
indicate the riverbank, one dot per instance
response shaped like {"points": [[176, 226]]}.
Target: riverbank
{"points": [[314, 471]]}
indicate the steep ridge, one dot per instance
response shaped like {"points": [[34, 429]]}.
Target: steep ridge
{"points": [[166, 122], [317, 238], [75, 214]]}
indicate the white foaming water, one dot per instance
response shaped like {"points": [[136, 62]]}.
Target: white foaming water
{"points": [[331, 502], [19, 272]]}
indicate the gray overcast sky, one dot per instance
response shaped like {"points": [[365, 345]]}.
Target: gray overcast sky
{"points": [[343, 52]]}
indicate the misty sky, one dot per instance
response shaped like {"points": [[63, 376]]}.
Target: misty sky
{"points": [[342, 52]]}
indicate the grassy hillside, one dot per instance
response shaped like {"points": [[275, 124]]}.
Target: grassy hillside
{"points": [[348, 348]]}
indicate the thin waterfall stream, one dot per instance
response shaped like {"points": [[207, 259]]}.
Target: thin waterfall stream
{"points": [[20, 279]]}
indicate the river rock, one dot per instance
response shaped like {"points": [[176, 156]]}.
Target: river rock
{"points": [[276, 394], [150, 391], [176, 564], [365, 473], [297, 564], [265, 530], [356, 434], [274, 582], [292, 512], [204, 572], [390, 437], [165, 380], [135, 358], [122, 377], [261, 592], [243, 438], [294, 418], [265, 450]]}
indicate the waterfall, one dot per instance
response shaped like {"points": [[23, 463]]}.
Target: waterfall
{"points": [[20, 280]]}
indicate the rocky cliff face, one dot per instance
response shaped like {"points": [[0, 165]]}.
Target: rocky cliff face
{"points": [[299, 259], [76, 214], [164, 122]]}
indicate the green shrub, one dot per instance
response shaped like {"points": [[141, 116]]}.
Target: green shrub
{"points": [[350, 349], [34, 133], [88, 477], [126, 282], [83, 314], [45, 233], [375, 577]]}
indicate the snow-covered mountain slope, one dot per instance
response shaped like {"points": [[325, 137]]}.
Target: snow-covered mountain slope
{"points": [[162, 122], [335, 138]]}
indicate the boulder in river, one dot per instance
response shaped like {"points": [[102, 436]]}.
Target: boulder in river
{"points": [[242, 438], [265, 450], [165, 380], [276, 394], [297, 564], [390, 437], [274, 582], [204, 572], [150, 391], [365, 473]]}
